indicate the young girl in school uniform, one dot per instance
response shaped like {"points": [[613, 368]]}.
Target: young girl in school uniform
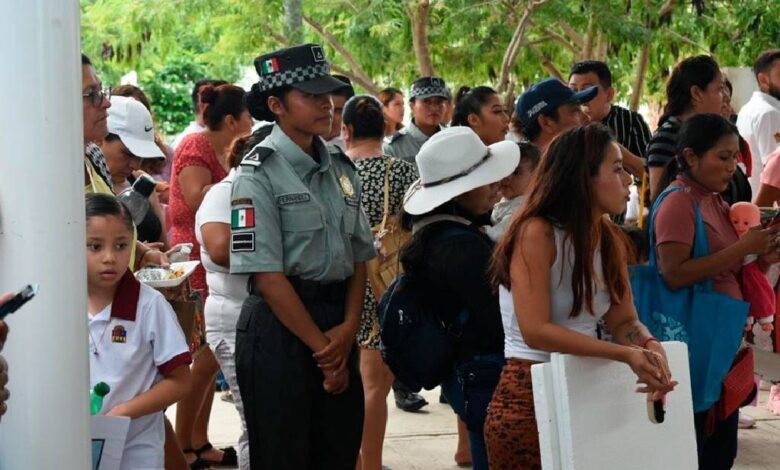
{"points": [[136, 344]]}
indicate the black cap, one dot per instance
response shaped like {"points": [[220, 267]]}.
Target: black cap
{"points": [[429, 86], [303, 67]]}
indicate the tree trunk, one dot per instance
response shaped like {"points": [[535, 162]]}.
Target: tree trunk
{"points": [[293, 21], [639, 81], [602, 45], [644, 55], [418, 16], [510, 55], [587, 49], [357, 74]]}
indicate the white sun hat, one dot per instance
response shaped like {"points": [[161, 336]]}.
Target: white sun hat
{"points": [[455, 161], [132, 122]]}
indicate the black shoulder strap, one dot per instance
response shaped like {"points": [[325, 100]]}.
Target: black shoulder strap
{"points": [[257, 155]]}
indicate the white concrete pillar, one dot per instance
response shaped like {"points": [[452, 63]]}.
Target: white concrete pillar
{"points": [[42, 235]]}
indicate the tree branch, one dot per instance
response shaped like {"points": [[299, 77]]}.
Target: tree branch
{"points": [[644, 55], [572, 33], [551, 34], [667, 8], [369, 87], [510, 55], [541, 40], [636, 92], [364, 79], [547, 63], [280, 38], [587, 48], [418, 16]]}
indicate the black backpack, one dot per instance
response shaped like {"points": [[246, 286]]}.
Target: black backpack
{"points": [[416, 344]]}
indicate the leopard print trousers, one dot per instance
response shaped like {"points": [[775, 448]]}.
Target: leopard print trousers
{"points": [[511, 435]]}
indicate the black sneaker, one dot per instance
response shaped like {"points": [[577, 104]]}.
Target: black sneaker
{"points": [[410, 401]]}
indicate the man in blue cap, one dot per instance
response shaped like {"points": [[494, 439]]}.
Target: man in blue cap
{"points": [[548, 108]]}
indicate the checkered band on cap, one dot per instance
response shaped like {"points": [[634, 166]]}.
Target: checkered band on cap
{"points": [[293, 76], [428, 91]]}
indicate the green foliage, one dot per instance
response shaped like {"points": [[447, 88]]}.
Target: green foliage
{"points": [[169, 87], [467, 38]]}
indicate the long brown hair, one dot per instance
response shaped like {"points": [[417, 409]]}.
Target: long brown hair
{"points": [[561, 192]]}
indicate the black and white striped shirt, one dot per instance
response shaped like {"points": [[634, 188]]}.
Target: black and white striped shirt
{"points": [[663, 146], [630, 129]]}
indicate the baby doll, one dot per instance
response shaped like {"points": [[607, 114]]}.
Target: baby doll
{"points": [[755, 286]]}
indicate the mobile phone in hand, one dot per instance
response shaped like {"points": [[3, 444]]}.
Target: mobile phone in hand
{"points": [[21, 298], [773, 221]]}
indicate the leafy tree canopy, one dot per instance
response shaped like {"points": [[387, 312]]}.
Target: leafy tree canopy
{"points": [[376, 42]]}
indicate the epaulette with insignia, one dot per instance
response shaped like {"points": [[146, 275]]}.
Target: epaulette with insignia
{"points": [[257, 155]]}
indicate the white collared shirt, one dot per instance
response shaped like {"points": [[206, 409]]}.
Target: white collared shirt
{"points": [[759, 124], [137, 343]]}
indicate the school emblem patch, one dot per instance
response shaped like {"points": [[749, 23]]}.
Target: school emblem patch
{"points": [[119, 334]]}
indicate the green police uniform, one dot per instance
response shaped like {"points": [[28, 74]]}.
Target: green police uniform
{"points": [[405, 143], [299, 215], [293, 215]]}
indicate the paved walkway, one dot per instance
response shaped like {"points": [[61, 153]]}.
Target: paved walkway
{"points": [[427, 440]]}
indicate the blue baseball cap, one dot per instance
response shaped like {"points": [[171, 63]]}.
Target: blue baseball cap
{"points": [[546, 96]]}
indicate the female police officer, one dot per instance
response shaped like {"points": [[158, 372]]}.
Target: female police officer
{"points": [[298, 228]]}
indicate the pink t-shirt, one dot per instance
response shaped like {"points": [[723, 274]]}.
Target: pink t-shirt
{"points": [[675, 221], [771, 173]]}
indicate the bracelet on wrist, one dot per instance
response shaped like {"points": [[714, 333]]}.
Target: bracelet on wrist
{"points": [[649, 340]]}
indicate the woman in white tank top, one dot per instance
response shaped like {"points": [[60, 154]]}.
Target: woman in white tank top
{"points": [[560, 268]]}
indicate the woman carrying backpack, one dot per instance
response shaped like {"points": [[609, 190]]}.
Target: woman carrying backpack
{"points": [[448, 256], [561, 267], [383, 182]]}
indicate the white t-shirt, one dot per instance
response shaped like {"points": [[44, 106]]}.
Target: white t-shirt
{"points": [[192, 128], [226, 291], [137, 342], [561, 302], [758, 123]]}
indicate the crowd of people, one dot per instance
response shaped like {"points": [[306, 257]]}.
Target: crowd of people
{"points": [[516, 230]]}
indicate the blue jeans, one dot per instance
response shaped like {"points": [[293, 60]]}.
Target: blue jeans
{"points": [[469, 391]]}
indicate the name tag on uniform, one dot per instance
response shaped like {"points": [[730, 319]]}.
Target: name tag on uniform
{"points": [[244, 241], [352, 201], [293, 198], [242, 201]]}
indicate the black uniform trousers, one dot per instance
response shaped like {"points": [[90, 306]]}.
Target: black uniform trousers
{"points": [[292, 422], [719, 450]]}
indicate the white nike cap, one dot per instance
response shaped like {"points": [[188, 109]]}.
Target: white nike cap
{"points": [[131, 121]]}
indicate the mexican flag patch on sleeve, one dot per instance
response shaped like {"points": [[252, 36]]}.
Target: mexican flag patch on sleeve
{"points": [[243, 218]]}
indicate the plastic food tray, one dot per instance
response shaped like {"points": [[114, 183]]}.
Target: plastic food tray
{"points": [[188, 266]]}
